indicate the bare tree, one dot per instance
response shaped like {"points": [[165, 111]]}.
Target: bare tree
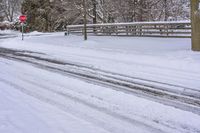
{"points": [[10, 8], [1, 11], [57, 14]]}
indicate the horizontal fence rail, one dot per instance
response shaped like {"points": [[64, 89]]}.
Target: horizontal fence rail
{"points": [[143, 29]]}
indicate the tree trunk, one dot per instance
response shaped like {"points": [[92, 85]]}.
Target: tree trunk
{"points": [[94, 11], [165, 12], [195, 20], [85, 19]]}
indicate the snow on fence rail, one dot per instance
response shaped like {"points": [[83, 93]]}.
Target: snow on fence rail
{"points": [[180, 29]]}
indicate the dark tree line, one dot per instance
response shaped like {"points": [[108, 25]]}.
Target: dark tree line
{"points": [[51, 15]]}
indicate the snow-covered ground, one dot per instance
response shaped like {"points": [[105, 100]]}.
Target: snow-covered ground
{"points": [[36, 100], [8, 33], [157, 59]]}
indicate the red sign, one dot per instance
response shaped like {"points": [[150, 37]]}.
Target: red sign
{"points": [[22, 18]]}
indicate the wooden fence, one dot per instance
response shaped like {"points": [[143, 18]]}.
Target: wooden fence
{"points": [[143, 29]]}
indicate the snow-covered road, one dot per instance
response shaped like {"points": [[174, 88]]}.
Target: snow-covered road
{"points": [[157, 59], [35, 100], [5, 36], [181, 97]]}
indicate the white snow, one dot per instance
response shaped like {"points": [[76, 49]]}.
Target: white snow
{"points": [[35, 100], [62, 104], [158, 59], [8, 32]]}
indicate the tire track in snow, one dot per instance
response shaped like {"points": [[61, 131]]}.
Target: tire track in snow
{"points": [[55, 88], [173, 99], [39, 87], [110, 112], [42, 87], [104, 76], [78, 102], [141, 81]]}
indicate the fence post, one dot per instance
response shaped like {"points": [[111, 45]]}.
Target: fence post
{"points": [[167, 29]]}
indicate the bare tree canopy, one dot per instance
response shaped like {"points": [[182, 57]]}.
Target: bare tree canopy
{"points": [[50, 15], [10, 9]]}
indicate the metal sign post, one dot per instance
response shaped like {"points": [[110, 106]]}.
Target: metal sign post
{"points": [[22, 31], [22, 19]]}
